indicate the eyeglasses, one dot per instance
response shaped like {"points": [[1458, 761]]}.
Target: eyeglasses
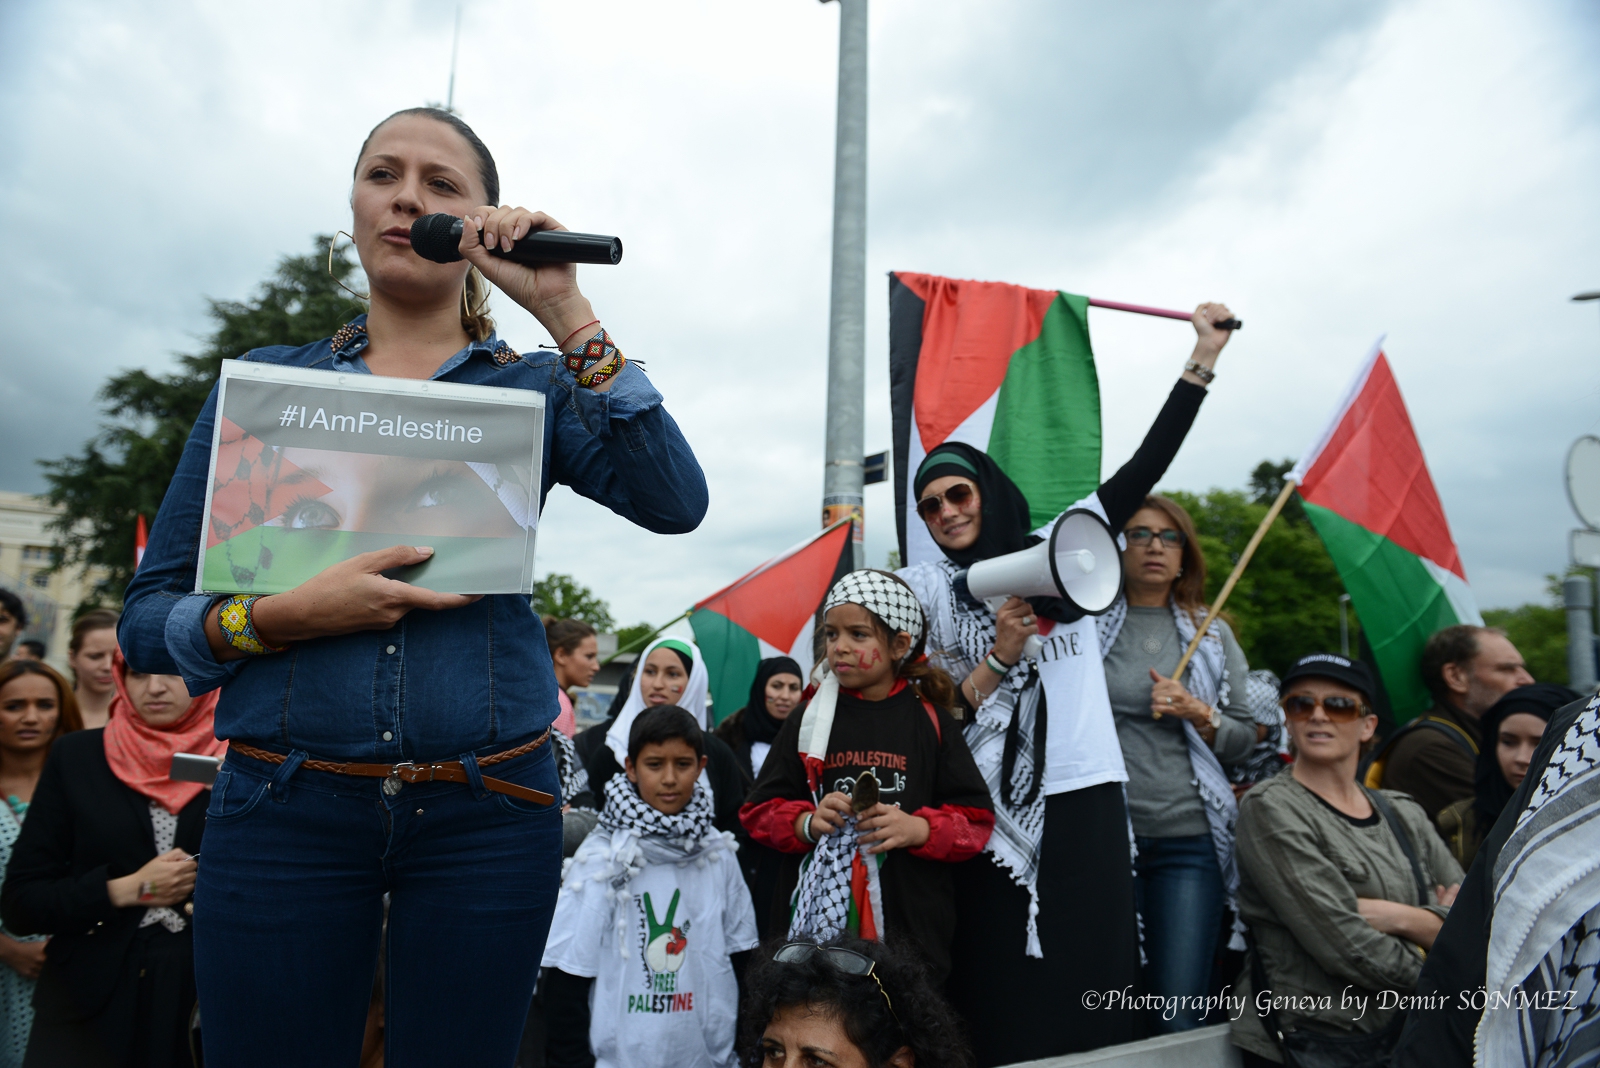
{"points": [[1170, 539], [846, 960], [1339, 709], [958, 495]]}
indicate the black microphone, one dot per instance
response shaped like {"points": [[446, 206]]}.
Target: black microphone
{"points": [[437, 237]]}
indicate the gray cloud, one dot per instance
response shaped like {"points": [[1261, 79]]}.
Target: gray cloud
{"points": [[1334, 170]]}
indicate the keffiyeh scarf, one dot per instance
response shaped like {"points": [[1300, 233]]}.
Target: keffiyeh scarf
{"points": [[1544, 938], [839, 888], [640, 835], [1208, 680], [574, 777], [1006, 735]]}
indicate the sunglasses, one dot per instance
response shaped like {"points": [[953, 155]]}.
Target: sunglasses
{"points": [[1170, 539], [847, 961], [958, 496], [1338, 709]]}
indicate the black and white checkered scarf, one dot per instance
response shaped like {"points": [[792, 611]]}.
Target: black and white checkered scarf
{"points": [[636, 835], [1544, 938]]}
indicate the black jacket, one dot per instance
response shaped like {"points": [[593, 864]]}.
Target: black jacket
{"points": [[83, 827]]}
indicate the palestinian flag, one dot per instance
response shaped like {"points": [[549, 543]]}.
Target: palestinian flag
{"points": [[772, 611], [1366, 490], [1006, 369]]}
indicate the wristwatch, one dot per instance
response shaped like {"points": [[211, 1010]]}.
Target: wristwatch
{"points": [[1216, 719]]}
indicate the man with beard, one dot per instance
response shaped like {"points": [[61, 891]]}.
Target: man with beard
{"points": [[1432, 758]]}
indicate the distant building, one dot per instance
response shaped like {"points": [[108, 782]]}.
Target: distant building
{"points": [[25, 555]]}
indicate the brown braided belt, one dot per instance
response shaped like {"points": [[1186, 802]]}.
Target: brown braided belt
{"points": [[395, 774]]}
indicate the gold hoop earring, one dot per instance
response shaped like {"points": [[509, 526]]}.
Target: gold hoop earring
{"points": [[332, 242]]}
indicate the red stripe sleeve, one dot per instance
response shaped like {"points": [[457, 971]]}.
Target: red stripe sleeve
{"points": [[772, 823], [955, 832]]}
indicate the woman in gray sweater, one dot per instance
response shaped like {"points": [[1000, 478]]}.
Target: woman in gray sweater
{"points": [[1338, 914], [1176, 735]]}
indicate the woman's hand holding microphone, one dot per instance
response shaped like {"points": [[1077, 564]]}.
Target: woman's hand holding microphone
{"points": [[549, 291]]}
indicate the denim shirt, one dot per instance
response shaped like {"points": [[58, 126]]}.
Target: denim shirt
{"points": [[436, 684]]}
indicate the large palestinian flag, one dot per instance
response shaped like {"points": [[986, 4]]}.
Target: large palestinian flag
{"points": [[1366, 490], [769, 612], [1006, 369]]}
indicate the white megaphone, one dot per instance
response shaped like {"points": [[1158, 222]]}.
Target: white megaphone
{"points": [[1078, 563]]}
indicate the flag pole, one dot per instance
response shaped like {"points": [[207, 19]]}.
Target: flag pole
{"points": [[642, 642], [1233, 579], [1165, 313]]}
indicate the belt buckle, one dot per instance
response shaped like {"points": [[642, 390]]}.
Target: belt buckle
{"points": [[392, 784]]}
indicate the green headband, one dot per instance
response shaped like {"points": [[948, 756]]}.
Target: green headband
{"points": [[677, 646], [937, 460]]}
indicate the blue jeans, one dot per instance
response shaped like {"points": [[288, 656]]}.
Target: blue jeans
{"points": [[1179, 890], [289, 914]]}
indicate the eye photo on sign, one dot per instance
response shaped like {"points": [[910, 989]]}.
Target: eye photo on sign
{"points": [[278, 512]]}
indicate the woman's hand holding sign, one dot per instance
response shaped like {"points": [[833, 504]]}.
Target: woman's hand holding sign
{"points": [[348, 597]]}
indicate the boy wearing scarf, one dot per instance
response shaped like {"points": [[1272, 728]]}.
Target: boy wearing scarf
{"points": [[652, 910]]}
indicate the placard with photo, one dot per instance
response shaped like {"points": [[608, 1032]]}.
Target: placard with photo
{"points": [[309, 468]]}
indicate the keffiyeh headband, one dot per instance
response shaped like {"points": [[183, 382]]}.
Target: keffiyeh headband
{"points": [[885, 596]]}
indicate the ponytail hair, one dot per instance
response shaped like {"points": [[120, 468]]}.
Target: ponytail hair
{"points": [[565, 634], [933, 684], [475, 318]]}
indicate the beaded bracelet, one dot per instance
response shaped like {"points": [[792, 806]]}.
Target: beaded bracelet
{"points": [[805, 829], [236, 619], [597, 350], [605, 372]]}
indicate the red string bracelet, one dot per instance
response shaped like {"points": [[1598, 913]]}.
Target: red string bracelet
{"points": [[578, 331]]}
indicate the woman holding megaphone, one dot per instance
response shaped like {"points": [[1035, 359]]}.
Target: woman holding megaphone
{"points": [[1047, 939]]}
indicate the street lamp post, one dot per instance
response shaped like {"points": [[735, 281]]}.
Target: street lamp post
{"points": [[844, 446]]}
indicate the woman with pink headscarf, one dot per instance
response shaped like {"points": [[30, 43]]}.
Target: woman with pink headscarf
{"points": [[105, 865]]}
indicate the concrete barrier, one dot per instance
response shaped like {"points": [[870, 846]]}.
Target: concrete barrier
{"points": [[1204, 1047]]}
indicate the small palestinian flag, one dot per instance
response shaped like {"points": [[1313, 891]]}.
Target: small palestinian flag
{"points": [[1366, 490], [1006, 369], [141, 538], [772, 611]]}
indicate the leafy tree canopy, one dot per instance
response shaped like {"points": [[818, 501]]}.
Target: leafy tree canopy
{"points": [[123, 471], [1287, 602], [563, 597]]}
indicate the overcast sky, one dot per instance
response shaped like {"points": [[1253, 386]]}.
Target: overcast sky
{"points": [[1333, 170]]}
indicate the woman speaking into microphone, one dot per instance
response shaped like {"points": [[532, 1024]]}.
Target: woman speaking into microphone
{"points": [[353, 668]]}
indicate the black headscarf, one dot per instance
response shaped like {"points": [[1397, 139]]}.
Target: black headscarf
{"points": [[1540, 699], [1005, 525], [759, 726]]}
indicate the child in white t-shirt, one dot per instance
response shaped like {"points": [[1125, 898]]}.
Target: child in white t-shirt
{"points": [[653, 908]]}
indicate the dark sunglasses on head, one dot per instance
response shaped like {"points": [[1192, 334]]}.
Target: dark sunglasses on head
{"points": [[1170, 539], [958, 495], [846, 960], [1338, 709]]}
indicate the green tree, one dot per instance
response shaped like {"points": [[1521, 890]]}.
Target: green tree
{"points": [[1539, 631], [123, 471], [563, 597], [1286, 604], [632, 639]]}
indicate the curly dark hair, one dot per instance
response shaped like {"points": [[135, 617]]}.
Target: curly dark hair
{"points": [[921, 1019]]}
